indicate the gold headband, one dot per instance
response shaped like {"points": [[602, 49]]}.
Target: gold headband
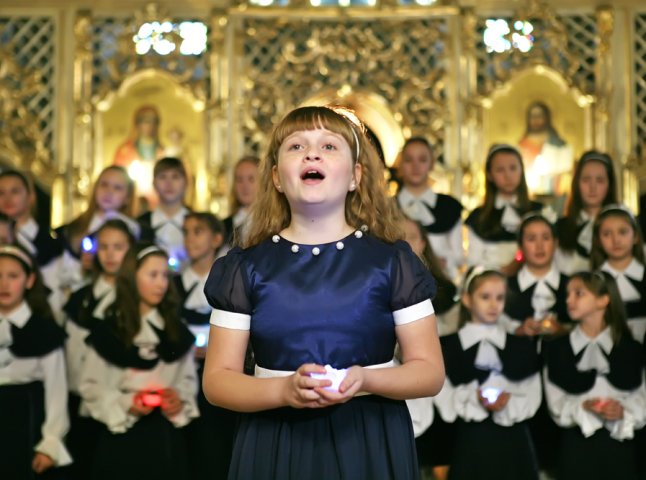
{"points": [[16, 253]]}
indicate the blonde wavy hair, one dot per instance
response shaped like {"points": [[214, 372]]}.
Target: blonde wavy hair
{"points": [[367, 205]]}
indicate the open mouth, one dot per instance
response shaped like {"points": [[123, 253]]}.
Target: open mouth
{"points": [[312, 174]]}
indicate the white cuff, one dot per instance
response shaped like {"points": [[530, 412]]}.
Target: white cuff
{"points": [[236, 321], [412, 313]]}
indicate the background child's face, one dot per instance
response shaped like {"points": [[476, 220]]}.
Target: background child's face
{"points": [[245, 183], [15, 200], [538, 244], [112, 246], [170, 185], [581, 302], [487, 301], [152, 280], [199, 240], [617, 237], [593, 184], [13, 283], [111, 193], [505, 172], [416, 163], [413, 236]]}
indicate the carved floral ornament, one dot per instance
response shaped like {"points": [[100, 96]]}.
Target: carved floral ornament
{"points": [[22, 140], [287, 64]]}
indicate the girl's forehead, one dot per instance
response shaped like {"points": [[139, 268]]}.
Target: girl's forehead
{"points": [[317, 131]]}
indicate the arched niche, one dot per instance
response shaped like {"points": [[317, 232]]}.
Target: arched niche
{"points": [[181, 129], [506, 119]]}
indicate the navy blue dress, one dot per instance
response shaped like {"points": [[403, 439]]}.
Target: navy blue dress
{"points": [[328, 304]]}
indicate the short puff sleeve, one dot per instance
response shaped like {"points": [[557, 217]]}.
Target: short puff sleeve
{"points": [[413, 286], [227, 291]]}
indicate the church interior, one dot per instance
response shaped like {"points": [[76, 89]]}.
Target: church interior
{"points": [[217, 75]]}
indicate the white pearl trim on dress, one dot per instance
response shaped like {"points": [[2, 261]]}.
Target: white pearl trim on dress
{"points": [[316, 250]]}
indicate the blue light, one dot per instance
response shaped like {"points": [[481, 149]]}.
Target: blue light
{"points": [[200, 340], [87, 244]]}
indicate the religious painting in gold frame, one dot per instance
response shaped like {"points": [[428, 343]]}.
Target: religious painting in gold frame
{"points": [[548, 120], [151, 116]]}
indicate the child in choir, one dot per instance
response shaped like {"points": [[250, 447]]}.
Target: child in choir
{"points": [[163, 225], [139, 377], [493, 386], [323, 301], [33, 388], [439, 214], [594, 383], [211, 435], [493, 226], [112, 197], [536, 294], [445, 301], [618, 248], [243, 193], [593, 187], [83, 309], [16, 199]]}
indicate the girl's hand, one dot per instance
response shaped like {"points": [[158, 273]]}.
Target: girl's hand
{"points": [[138, 408], [611, 410], [529, 328], [349, 387], [200, 353], [498, 405], [511, 268], [171, 403], [41, 462], [299, 388]]}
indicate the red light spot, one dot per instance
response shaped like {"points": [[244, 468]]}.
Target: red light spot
{"points": [[152, 399], [519, 256]]}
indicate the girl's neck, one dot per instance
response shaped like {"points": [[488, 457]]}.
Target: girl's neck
{"points": [[7, 311], [506, 196], [145, 309], [417, 190], [311, 228], [109, 279], [593, 324], [22, 219], [592, 211], [539, 271], [170, 209], [202, 266], [620, 264]]}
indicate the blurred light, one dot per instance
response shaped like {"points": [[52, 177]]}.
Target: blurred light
{"points": [[200, 340], [87, 244]]}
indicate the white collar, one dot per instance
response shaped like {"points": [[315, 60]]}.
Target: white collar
{"points": [[634, 270], [526, 278], [579, 340], [29, 229], [473, 333], [583, 217], [502, 202], [154, 318], [429, 197], [101, 287], [19, 316], [190, 278], [240, 216], [158, 217]]}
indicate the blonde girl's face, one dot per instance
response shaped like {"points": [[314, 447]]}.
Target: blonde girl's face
{"points": [[14, 281], [487, 302], [413, 237], [152, 279], [111, 192], [315, 168], [112, 246], [617, 237], [538, 244], [245, 183], [593, 184], [581, 302], [416, 163], [505, 172], [15, 200]]}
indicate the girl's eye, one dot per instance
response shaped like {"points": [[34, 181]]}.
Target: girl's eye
{"points": [[295, 146], [329, 146]]}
